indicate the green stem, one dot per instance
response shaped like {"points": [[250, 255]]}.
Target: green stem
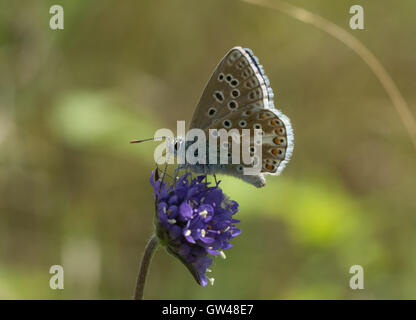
{"points": [[149, 251]]}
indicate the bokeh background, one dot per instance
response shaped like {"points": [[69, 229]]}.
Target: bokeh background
{"points": [[74, 192]]}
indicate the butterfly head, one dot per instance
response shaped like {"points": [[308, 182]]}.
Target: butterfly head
{"points": [[174, 145]]}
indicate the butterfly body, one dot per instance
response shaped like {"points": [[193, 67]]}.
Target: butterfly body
{"points": [[255, 180], [238, 96], [207, 168]]}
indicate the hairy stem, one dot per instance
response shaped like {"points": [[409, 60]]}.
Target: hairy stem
{"points": [[149, 251]]}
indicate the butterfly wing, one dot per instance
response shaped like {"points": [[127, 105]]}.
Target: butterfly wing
{"points": [[237, 81], [277, 139], [239, 95]]}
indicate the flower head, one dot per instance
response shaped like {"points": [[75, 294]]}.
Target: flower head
{"points": [[194, 220]]}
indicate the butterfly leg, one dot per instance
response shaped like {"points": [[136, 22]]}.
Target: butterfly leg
{"points": [[163, 175], [215, 178], [175, 173]]}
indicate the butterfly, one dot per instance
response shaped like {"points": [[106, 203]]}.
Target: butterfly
{"points": [[238, 96]]}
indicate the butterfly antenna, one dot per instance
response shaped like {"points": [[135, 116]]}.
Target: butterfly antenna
{"points": [[144, 140]]}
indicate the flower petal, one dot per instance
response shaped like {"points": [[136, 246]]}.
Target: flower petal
{"points": [[214, 197], [185, 211], [175, 231], [194, 221]]}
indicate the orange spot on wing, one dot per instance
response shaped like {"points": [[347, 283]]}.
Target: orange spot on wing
{"points": [[275, 123], [275, 152], [269, 167], [278, 131], [276, 140]]}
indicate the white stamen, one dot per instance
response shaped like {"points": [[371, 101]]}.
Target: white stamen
{"points": [[204, 214], [203, 233], [222, 254], [164, 209], [211, 280], [209, 270], [226, 229], [187, 233], [172, 221]]}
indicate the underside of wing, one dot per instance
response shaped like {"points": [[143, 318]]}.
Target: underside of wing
{"points": [[276, 143], [236, 82], [239, 95]]}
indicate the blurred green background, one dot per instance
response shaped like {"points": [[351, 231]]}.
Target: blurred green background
{"points": [[74, 192]]}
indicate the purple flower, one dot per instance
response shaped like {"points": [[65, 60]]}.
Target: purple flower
{"points": [[194, 220]]}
